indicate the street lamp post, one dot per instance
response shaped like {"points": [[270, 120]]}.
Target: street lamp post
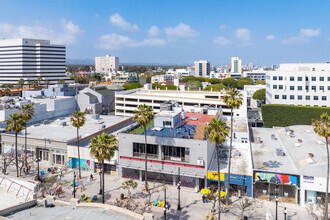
{"points": [[276, 198], [164, 204], [74, 184], [179, 187], [38, 160], [100, 182], [285, 212]]}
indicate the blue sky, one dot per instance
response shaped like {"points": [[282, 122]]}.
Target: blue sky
{"points": [[264, 32]]}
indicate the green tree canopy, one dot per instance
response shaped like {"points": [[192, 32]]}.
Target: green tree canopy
{"points": [[193, 85], [242, 82], [229, 82], [261, 82], [259, 94], [213, 81], [215, 87], [247, 79], [193, 78], [132, 86]]}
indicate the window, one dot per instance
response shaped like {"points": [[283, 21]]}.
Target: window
{"points": [[306, 87], [291, 78], [314, 88], [291, 97], [299, 97], [274, 86], [324, 98], [322, 88], [328, 78], [313, 69], [280, 86], [299, 88], [306, 78], [313, 78], [328, 87], [299, 78], [280, 78], [277, 96], [175, 153], [274, 77], [316, 97], [283, 96], [167, 124], [321, 78], [291, 87], [308, 97], [138, 150]]}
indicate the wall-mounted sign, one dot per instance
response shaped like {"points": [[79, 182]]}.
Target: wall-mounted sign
{"points": [[274, 178], [214, 176]]}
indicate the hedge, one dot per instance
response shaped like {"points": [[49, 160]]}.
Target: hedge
{"points": [[287, 115]]}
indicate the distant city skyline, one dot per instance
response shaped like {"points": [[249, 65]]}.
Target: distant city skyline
{"points": [[176, 32]]}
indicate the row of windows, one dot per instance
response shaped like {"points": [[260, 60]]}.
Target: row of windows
{"points": [[35, 50], [300, 78], [34, 54], [300, 88], [35, 58], [33, 46], [300, 97]]}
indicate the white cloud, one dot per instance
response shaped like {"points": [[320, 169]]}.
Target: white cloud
{"points": [[68, 34], [115, 41], [154, 31], [243, 34], [180, 31], [304, 36], [221, 41], [270, 37], [223, 26], [310, 32], [120, 22]]}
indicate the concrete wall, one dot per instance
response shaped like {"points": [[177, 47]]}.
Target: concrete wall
{"points": [[197, 149]]}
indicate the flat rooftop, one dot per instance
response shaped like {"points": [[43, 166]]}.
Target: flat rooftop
{"points": [[264, 152], [54, 129], [300, 145], [240, 123], [240, 162]]}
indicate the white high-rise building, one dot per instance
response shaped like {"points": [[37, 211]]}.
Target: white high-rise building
{"points": [[236, 65], [106, 64], [299, 84], [202, 68], [30, 59]]}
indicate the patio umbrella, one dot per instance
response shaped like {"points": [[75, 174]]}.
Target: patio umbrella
{"points": [[205, 191], [222, 194]]}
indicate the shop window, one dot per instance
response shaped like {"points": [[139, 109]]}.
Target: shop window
{"points": [[138, 150], [175, 153]]}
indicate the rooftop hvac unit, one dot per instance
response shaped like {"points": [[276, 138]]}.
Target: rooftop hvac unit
{"points": [[280, 152]]}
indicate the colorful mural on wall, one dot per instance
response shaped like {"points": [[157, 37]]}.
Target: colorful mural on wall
{"points": [[273, 178], [84, 164]]}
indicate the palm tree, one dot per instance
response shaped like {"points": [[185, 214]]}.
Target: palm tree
{"points": [[20, 84], [35, 84], [15, 124], [61, 81], [30, 83], [216, 132], [39, 79], [78, 120], [103, 147], [144, 116], [28, 112], [7, 90], [46, 83], [322, 128], [233, 100]]}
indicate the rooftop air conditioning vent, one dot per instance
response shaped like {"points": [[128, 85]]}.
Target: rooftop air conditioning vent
{"points": [[280, 152]]}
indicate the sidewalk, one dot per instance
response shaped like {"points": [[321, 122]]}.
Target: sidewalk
{"points": [[191, 202]]}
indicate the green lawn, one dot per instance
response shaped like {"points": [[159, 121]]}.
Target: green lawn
{"points": [[139, 130]]}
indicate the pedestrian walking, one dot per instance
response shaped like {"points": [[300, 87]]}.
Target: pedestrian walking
{"points": [[91, 177], [203, 198]]}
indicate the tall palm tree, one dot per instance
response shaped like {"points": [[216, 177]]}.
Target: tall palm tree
{"points": [[61, 81], [103, 147], [39, 79], [46, 83], [15, 123], [78, 120], [20, 84], [216, 132], [144, 116], [30, 83], [233, 100], [28, 112], [322, 128]]}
